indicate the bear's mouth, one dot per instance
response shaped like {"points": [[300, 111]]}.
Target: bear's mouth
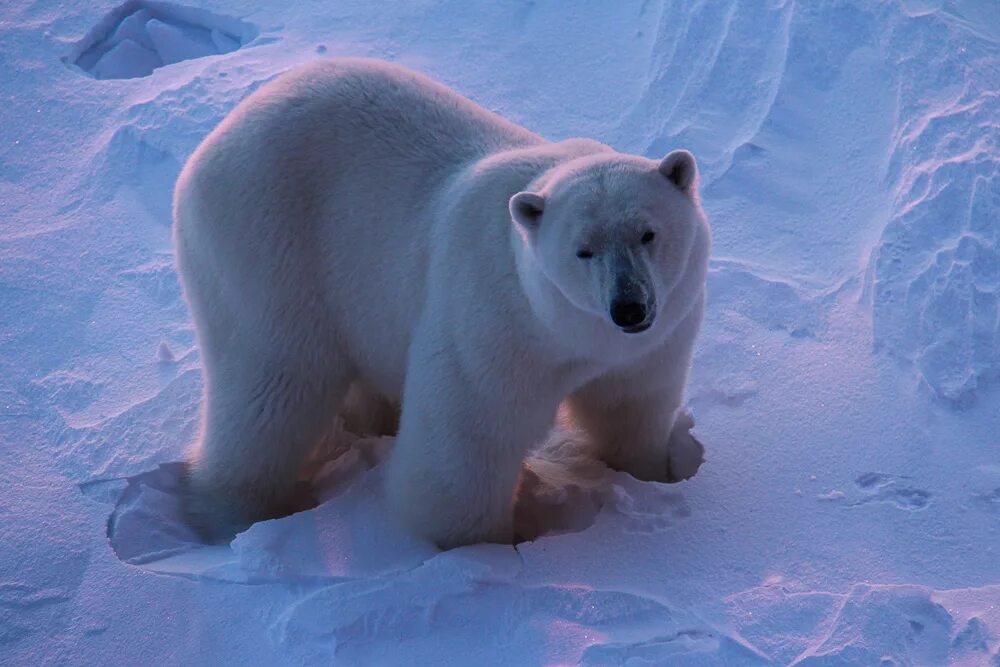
{"points": [[637, 328]]}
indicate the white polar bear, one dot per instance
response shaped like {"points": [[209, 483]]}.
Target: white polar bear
{"points": [[354, 223]]}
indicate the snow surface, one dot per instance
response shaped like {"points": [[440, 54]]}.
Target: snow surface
{"points": [[140, 36], [845, 384]]}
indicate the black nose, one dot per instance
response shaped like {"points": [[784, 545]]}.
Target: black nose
{"points": [[627, 314]]}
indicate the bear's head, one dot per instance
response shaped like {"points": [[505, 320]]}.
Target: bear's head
{"points": [[614, 233]]}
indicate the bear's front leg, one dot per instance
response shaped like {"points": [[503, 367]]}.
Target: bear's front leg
{"points": [[645, 436], [457, 459], [633, 414]]}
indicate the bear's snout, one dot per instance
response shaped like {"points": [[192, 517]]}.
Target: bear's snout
{"points": [[630, 315], [632, 306]]}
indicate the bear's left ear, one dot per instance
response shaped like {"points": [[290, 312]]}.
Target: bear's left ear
{"points": [[526, 209], [680, 169]]}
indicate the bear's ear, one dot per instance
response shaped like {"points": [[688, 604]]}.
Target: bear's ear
{"points": [[680, 169], [526, 209]]}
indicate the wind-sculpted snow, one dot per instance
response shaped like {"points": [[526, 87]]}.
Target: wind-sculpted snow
{"points": [[912, 624], [141, 36], [153, 137], [690, 97], [492, 613], [936, 269]]}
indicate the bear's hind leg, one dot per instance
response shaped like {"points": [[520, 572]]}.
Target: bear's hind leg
{"points": [[261, 423]]}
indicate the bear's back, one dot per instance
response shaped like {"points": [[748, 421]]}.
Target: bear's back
{"points": [[335, 135], [366, 104]]}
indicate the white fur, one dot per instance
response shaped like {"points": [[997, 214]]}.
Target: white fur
{"points": [[349, 223]]}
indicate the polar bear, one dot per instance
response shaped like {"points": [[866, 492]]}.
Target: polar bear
{"points": [[356, 224]]}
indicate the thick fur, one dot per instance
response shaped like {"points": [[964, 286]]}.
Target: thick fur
{"points": [[350, 224]]}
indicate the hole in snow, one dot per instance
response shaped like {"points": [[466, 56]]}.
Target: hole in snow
{"points": [[563, 489], [140, 36]]}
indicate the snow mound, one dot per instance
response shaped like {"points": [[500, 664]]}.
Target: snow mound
{"points": [[139, 37], [936, 269]]}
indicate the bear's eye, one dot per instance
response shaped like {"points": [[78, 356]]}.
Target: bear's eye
{"points": [[584, 253], [648, 238]]}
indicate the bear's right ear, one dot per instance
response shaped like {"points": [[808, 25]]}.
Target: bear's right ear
{"points": [[526, 209], [680, 169]]}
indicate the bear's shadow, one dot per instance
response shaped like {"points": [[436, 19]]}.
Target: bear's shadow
{"points": [[562, 490]]}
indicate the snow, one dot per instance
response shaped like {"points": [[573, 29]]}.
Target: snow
{"points": [[139, 36], [845, 382]]}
